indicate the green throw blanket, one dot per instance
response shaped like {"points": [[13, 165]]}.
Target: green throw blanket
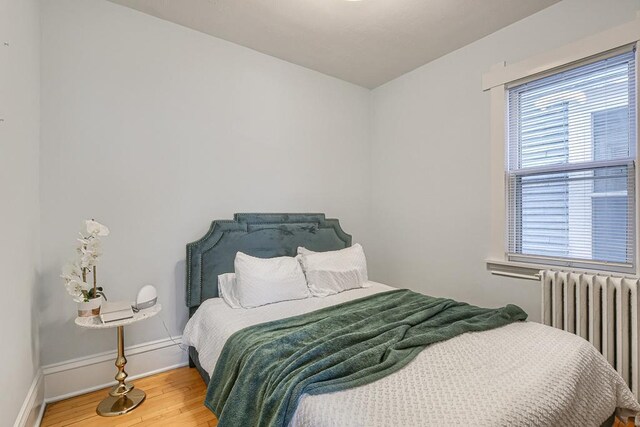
{"points": [[264, 369]]}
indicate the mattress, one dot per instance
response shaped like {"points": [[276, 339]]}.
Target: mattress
{"points": [[523, 374]]}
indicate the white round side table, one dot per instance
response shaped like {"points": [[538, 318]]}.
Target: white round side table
{"points": [[123, 397]]}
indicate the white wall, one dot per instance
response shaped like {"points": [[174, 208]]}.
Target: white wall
{"points": [[156, 130], [19, 213], [431, 153]]}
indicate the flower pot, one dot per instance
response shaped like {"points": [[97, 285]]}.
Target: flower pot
{"points": [[89, 308]]}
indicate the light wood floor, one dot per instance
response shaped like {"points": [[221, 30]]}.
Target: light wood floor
{"points": [[173, 398], [619, 423]]}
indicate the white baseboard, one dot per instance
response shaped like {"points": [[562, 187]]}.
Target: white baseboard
{"points": [[33, 407], [90, 373]]}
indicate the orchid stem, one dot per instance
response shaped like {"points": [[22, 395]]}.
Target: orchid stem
{"points": [[84, 279]]}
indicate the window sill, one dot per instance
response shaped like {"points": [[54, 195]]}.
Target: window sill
{"points": [[516, 270], [531, 271]]}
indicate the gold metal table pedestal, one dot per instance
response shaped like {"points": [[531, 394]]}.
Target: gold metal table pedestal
{"points": [[123, 397]]}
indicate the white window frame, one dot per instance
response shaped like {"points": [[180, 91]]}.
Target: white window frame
{"points": [[495, 81]]}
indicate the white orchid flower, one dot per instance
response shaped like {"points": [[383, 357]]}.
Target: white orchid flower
{"points": [[94, 245], [87, 260], [86, 250], [96, 229], [75, 288], [89, 249], [71, 271]]}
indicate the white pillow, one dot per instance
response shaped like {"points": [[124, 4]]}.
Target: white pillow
{"points": [[263, 281], [332, 272], [305, 251], [228, 289]]}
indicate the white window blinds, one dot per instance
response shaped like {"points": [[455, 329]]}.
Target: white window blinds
{"points": [[571, 166]]}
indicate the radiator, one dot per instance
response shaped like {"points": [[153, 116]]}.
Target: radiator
{"points": [[601, 309]]}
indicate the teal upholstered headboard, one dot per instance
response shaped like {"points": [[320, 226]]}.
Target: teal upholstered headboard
{"points": [[260, 235]]}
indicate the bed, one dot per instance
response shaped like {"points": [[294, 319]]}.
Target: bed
{"points": [[522, 374]]}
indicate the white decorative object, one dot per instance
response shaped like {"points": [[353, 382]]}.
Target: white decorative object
{"points": [[147, 297], [332, 272], [114, 311], [228, 289], [74, 274], [89, 308], [94, 228], [263, 281]]}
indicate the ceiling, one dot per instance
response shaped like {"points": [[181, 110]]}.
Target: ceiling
{"points": [[366, 42]]}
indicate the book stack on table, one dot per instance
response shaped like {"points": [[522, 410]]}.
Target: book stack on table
{"points": [[114, 311]]}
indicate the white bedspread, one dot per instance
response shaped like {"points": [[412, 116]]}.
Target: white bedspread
{"points": [[523, 374]]}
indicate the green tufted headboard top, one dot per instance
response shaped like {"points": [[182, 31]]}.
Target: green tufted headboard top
{"points": [[259, 235]]}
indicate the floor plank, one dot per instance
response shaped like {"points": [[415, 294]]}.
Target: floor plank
{"points": [[173, 398]]}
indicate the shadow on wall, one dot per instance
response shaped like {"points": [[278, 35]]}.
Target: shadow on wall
{"points": [[181, 312], [56, 319], [35, 321]]}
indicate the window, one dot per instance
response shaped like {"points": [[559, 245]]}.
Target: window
{"points": [[571, 150]]}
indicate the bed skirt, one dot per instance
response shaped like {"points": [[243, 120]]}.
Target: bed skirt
{"points": [[194, 362]]}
